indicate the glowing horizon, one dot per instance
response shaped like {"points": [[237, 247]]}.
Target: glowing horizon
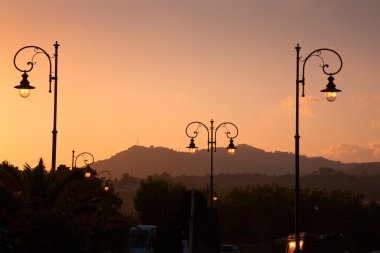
{"points": [[137, 72]]}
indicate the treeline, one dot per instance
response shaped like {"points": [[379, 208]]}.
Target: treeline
{"points": [[324, 179], [260, 214]]}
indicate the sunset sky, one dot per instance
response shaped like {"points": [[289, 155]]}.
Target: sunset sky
{"points": [[137, 72]]}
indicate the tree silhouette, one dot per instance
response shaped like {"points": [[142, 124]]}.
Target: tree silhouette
{"points": [[156, 200], [56, 212]]}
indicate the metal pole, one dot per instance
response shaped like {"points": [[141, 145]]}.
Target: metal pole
{"points": [[212, 142], [72, 160], [191, 227], [55, 78], [297, 158]]}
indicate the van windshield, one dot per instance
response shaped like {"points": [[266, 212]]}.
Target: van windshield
{"points": [[138, 238]]}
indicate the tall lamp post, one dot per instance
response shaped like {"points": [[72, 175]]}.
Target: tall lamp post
{"points": [[25, 87], [211, 144], [330, 93]]}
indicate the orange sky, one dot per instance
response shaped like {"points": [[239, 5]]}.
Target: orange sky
{"points": [[137, 72]]}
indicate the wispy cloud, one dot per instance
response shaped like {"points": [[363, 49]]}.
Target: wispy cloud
{"points": [[306, 104], [366, 100], [353, 153], [375, 124]]}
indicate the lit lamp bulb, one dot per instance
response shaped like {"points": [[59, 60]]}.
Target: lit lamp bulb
{"points": [[24, 87], [88, 172], [231, 147], [330, 96], [330, 91], [24, 93]]}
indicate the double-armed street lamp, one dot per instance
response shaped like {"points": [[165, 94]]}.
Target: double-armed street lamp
{"points": [[25, 87], [330, 93], [88, 159], [211, 144]]}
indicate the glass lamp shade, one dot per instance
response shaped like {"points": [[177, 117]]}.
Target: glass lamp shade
{"points": [[231, 151], [192, 148], [87, 174], [24, 93], [24, 87], [330, 96], [331, 90], [231, 147]]}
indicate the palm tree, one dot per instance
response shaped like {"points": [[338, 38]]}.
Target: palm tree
{"points": [[55, 212]]}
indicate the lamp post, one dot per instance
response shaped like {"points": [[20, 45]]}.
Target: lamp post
{"points": [[87, 159], [211, 144], [105, 176], [330, 93], [25, 87]]}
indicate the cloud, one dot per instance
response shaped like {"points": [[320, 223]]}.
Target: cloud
{"points": [[306, 103], [375, 124], [266, 118], [366, 100], [353, 153]]}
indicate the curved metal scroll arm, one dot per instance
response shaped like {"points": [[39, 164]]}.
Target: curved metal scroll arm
{"points": [[228, 133], [324, 65], [31, 63], [85, 160], [196, 131], [104, 172]]}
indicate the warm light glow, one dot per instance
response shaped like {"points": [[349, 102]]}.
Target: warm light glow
{"points": [[159, 68], [231, 151], [330, 96], [192, 150], [24, 93], [292, 246], [87, 174], [215, 198], [106, 188]]}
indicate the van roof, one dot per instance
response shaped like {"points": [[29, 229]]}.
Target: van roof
{"points": [[144, 227]]}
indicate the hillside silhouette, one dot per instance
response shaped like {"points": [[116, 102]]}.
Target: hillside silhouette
{"points": [[140, 161]]}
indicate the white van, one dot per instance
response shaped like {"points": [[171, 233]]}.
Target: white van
{"points": [[142, 238]]}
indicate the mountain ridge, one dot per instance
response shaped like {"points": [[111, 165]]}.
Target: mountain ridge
{"points": [[141, 161]]}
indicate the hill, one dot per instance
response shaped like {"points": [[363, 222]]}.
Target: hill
{"points": [[139, 161]]}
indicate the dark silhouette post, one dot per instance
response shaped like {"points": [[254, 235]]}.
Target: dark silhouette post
{"points": [[211, 144], [25, 87], [330, 92]]}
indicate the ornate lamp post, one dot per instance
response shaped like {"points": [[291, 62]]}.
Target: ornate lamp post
{"points": [[87, 160], [330, 93], [105, 176], [25, 87], [211, 144]]}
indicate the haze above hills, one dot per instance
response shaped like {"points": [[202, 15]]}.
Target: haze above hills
{"points": [[139, 161]]}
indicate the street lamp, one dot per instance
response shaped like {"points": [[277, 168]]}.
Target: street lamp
{"points": [[211, 144], [105, 176], [87, 160], [24, 87], [330, 93]]}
